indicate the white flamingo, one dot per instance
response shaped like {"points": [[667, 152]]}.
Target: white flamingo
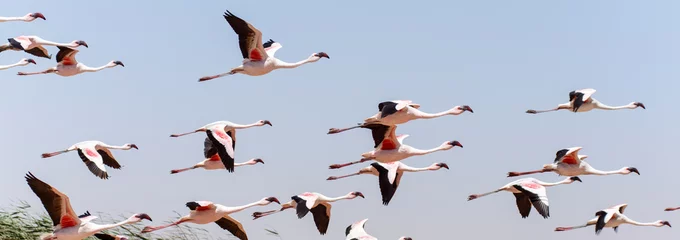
{"points": [[27, 18], [529, 191], [214, 163], [68, 225], [22, 62], [258, 58], [356, 231], [581, 101], [569, 163], [68, 66], [389, 175], [204, 212], [221, 139], [613, 218], [389, 147], [95, 154], [316, 203], [34, 45], [402, 111]]}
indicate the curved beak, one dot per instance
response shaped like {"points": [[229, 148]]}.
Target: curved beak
{"points": [[30, 61], [38, 15], [273, 199], [575, 179], [83, 43], [119, 63], [639, 104], [444, 165], [268, 122], [359, 194], [323, 55], [632, 169], [258, 160], [144, 216], [455, 143], [134, 146], [667, 223], [467, 108]]}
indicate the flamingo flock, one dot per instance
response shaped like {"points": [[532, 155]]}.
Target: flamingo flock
{"points": [[219, 152]]}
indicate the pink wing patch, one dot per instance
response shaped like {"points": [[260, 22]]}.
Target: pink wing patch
{"points": [[66, 221], [221, 134], [255, 55], [307, 194], [531, 185], [91, 153], [215, 158]]}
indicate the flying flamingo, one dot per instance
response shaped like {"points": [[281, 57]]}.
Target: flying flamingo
{"points": [[95, 155], [613, 217], [28, 18], [400, 112], [34, 45], [389, 147], [22, 62], [221, 140], [356, 231], [529, 191], [68, 66], [68, 225], [214, 163], [258, 58], [389, 175], [569, 163], [313, 202], [103, 236], [204, 212], [581, 101]]}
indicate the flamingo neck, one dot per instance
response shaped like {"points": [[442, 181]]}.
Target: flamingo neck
{"points": [[245, 163], [416, 151], [13, 65], [9, 19], [326, 199], [424, 115], [99, 228], [50, 43], [633, 222], [606, 107], [124, 147], [239, 126], [241, 208], [282, 64], [565, 181], [430, 168], [600, 172], [96, 69]]}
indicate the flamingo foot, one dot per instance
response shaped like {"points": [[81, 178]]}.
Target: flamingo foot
{"points": [[473, 197]]}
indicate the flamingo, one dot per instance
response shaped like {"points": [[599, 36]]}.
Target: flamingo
{"points": [[313, 202], [68, 225], [95, 154], [529, 191], [356, 231], [204, 212], [68, 66], [34, 45], [224, 134], [613, 217], [214, 163], [581, 101], [258, 58], [103, 236], [402, 111], [389, 175], [389, 147], [22, 62], [27, 18], [569, 163]]}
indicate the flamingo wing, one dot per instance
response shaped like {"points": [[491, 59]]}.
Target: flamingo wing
{"points": [[104, 236], [387, 174], [67, 56], [200, 205], [250, 39], [223, 143], [57, 204], [603, 217], [568, 155], [208, 149], [537, 195], [356, 230], [86, 217], [391, 107], [523, 204], [378, 131], [21, 42], [93, 160], [322, 216], [233, 226], [304, 202], [39, 51], [390, 140], [271, 47], [107, 157], [587, 93]]}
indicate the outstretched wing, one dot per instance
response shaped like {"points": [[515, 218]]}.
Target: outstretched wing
{"points": [[223, 143], [107, 157], [523, 204], [233, 226], [537, 196], [93, 160], [387, 174], [322, 216], [250, 39], [271, 47], [67, 56], [57, 204]]}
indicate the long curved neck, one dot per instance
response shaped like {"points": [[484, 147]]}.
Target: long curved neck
{"points": [[96, 69], [50, 43], [241, 208], [545, 184], [600, 172], [424, 115], [633, 222], [9, 19], [416, 151], [115, 147], [412, 169], [240, 126], [602, 106], [99, 228], [282, 64], [245, 163], [327, 199], [12, 65]]}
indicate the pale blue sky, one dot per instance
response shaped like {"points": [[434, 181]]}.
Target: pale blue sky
{"points": [[499, 57]]}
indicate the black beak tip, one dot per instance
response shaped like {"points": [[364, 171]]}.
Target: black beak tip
{"points": [[576, 179], [119, 63]]}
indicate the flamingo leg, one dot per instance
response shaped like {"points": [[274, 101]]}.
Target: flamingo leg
{"points": [[339, 177], [232, 72], [336, 130], [336, 166], [182, 170], [183, 134], [531, 111], [35, 73], [515, 174], [257, 215], [151, 229]]}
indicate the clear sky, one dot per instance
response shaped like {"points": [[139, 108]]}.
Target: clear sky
{"points": [[499, 57]]}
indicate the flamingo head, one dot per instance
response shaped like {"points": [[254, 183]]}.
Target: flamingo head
{"points": [[441, 165], [131, 146], [139, 217], [78, 43], [322, 55], [639, 104], [465, 108], [574, 179], [258, 160], [28, 60], [356, 194], [663, 223], [629, 170], [37, 15], [265, 122], [271, 200], [454, 143], [118, 63]]}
